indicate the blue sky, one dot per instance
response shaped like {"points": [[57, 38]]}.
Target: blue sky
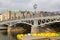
{"points": [[43, 5]]}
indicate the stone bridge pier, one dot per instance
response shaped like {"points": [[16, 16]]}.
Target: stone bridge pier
{"points": [[35, 28]]}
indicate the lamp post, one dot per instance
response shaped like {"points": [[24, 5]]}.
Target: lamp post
{"points": [[35, 7]]}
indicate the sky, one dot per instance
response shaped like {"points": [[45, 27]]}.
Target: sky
{"points": [[42, 5]]}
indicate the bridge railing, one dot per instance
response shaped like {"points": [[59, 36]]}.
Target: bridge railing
{"points": [[32, 18]]}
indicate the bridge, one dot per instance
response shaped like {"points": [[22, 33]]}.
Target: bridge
{"points": [[37, 21], [34, 22]]}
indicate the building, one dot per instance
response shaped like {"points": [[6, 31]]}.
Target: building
{"points": [[0, 17], [28, 14], [13, 15], [6, 15], [19, 15]]}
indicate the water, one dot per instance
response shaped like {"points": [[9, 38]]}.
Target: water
{"points": [[6, 37]]}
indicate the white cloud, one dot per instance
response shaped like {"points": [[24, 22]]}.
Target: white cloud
{"points": [[44, 5], [5, 2]]}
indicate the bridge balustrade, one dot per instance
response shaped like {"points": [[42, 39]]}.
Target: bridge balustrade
{"points": [[39, 20]]}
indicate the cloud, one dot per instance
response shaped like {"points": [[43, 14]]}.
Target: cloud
{"points": [[46, 5], [43, 5], [5, 2]]}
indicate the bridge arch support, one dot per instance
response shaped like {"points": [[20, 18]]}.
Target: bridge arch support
{"points": [[23, 27]]}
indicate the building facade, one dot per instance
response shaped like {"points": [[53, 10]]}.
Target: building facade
{"points": [[0, 17], [6, 15]]}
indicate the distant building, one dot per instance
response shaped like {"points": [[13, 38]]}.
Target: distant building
{"points": [[29, 14], [6, 15], [13, 15], [18, 15], [0, 17]]}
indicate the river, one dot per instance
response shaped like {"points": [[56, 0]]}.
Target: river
{"points": [[6, 37]]}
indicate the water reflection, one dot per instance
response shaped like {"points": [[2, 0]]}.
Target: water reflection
{"points": [[4, 36]]}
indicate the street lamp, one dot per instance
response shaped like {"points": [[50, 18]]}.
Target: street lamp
{"points": [[35, 7]]}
